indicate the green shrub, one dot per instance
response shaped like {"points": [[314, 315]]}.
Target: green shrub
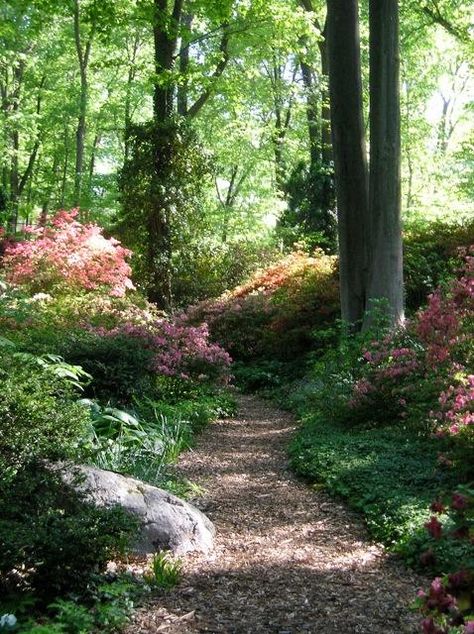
{"points": [[53, 536], [38, 409], [119, 365], [273, 315], [431, 255]]}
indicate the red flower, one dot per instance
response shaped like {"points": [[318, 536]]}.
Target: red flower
{"points": [[459, 502], [437, 506], [434, 527]]}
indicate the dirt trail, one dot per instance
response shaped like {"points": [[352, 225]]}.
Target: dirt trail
{"points": [[288, 559]]}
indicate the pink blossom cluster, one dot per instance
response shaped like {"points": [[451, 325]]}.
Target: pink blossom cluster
{"points": [[444, 604], [457, 405], [435, 349], [178, 350], [68, 254], [387, 364], [441, 325]]}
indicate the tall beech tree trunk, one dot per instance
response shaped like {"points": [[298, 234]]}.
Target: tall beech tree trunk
{"points": [[349, 149], [386, 261]]}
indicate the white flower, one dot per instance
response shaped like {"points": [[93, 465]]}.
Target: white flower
{"points": [[7, 620]]}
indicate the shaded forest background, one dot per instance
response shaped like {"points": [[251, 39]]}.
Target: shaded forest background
{"points": [[240, 92]]}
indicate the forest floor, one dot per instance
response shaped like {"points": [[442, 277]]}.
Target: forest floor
{"points": [[288, 559]]}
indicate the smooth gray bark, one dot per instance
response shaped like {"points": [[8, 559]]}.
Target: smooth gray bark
{"points": [[349, 150], [386, 260]]}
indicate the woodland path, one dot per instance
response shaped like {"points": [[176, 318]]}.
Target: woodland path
{"points": [[288, 559]]}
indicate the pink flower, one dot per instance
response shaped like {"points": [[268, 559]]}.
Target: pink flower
{"points": [[459, 502], [434, 527], [69, 254]]}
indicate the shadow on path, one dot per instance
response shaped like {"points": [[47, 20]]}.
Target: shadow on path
{"points": [[288, 559]]}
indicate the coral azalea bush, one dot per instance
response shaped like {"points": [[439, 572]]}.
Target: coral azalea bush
{"points": [[67, 254], [276, 311]]}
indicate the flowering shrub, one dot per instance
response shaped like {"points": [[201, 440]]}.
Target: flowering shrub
{"points": [[179, 351], [421, 372], [448, 604], [276, 311], [68, 254], [422, 376]]}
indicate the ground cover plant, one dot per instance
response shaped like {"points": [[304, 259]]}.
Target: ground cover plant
{"points": [[388, 425]]}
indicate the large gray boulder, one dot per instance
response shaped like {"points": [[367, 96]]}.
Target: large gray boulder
{"points": [[166, 522]]}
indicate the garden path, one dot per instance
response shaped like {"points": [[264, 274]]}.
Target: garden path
{"points": [[288, 558]]}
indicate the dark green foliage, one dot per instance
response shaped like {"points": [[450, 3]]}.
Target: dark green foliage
{"points": [[119, 365], [269, 378], [38, 413], [51, 534], [310, 217], [431, 255], [389, 474]]}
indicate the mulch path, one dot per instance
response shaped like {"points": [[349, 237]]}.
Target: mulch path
{"points": [[288, 559]]}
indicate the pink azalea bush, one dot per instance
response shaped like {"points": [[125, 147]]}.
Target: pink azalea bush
{"points": [[177, 351], [67, 255], [422, 372], [423, 375]]}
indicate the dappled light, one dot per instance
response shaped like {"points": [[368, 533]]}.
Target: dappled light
{"points": [[236, 317]]}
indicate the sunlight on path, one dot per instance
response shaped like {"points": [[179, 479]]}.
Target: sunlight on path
{"points": [[288, 559]]}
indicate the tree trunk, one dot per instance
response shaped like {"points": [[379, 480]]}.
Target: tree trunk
{"points": [[184, 57], [83, 56], [159, 247], [165, 40], [326, 143], [386, 261], [14, 197], [62, 196], [349, 154]]}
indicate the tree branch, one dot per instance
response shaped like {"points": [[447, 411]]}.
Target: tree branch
{"points": [[219, 69], [434, 13]]}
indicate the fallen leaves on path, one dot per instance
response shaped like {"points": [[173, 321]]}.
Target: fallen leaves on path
{"points": [[288, 559]]}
